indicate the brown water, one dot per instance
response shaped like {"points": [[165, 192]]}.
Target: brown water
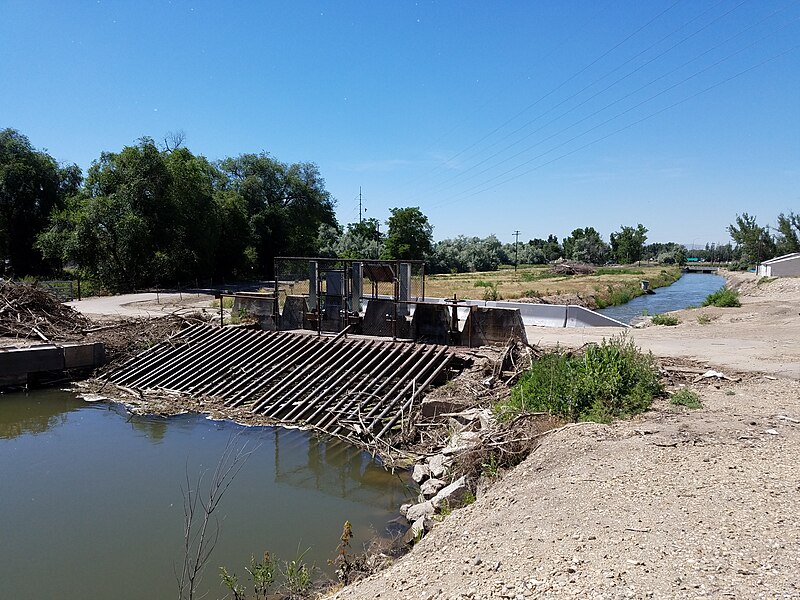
{"points": [[91, 502]]}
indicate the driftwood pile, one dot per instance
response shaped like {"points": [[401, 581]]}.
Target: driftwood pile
{"points": [[573, 268], [27, 311]]}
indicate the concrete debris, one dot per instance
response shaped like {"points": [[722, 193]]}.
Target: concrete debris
{"points": [[418, 511], [437, 466], [421, 473], [453, 494], [431, 487]]}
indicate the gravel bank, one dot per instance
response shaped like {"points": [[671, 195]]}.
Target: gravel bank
{"points": [[674, 504]]}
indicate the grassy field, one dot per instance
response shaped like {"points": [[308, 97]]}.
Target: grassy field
{"points": [[606, 286]]}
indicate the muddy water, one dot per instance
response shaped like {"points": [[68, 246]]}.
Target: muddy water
{"points": [[91, 502], [690, 290]]}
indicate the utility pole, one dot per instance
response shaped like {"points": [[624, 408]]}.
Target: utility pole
{"points": [[360, 210], [516, 242]]}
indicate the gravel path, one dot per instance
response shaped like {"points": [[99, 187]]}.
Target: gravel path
{"points": [[673, 504]]}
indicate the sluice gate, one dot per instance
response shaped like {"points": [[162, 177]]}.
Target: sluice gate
{"points": [[355, 388]]}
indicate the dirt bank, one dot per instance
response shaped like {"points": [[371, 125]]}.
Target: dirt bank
{"points": [[675, 504]]}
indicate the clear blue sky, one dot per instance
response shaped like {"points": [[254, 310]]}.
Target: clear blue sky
{"points": [[537, 116]]}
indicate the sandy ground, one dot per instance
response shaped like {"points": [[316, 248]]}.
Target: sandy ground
{"points": [[147, 304], [673, 504], [763, 335]]}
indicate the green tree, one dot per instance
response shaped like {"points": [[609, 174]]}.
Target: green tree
{"points": [[754, 241], [286, 204], [628, 244], [789, 233], [32, 185], [586, 245], [410, 235], [146, 216]]}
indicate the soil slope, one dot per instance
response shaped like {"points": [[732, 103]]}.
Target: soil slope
{"points": [[674, 504]]}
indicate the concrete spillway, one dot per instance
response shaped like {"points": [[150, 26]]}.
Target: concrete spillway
{"points": [[356, 388]]}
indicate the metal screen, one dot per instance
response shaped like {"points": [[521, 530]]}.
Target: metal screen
{"points": [[371, 297]]}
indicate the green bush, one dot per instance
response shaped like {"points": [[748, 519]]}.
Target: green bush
{"points": [[668, 320], [687, 398], [608, 381], [723, 297]]}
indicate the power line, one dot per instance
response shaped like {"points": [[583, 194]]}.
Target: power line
{"points": [[620, 114], [609, 86]]}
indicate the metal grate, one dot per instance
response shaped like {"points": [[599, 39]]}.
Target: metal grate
{"points": [[355, 388]]}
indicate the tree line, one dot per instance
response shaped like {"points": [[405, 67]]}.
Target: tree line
{"points": [[160, 215]]}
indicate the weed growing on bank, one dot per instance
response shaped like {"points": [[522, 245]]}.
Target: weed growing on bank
{"points": [[608, 381], [668, 320], [687, 398], [723, 297]]}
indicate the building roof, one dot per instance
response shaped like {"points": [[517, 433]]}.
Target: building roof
{"points": [[785, 257]]}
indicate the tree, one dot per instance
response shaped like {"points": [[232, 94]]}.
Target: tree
{"points": [[410, 235], [789, 233], [586, 245], [286, 204], [464, 254], [31, 186], [148, 216], [755, 241], [628, 244]]}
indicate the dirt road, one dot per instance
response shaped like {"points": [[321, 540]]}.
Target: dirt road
{"points": [[674, 504]]}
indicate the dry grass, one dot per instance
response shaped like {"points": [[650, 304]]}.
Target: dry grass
{"points": [[536, 281]]}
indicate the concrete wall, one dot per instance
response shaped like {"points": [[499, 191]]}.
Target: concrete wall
{"points": [[548, 315], [17, 364], [491, 325]]}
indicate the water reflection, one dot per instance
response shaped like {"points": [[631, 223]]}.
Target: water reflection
{"points": [[95, 494], [23, 414], [331, 467], [153, 427]]}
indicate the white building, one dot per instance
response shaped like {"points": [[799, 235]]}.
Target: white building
{"points": [[787, 265]]}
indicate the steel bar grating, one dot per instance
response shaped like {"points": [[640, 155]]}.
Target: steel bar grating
{"points": [[357, 388]]}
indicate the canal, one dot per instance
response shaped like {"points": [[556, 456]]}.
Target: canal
{"points": [[690, 290], [92, 505]]}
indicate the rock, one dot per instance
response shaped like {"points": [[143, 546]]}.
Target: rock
{"points": [[421, 526], [423, 509], [431, 487], [453, 494], [420, 473], [436, 466], [397, 526], [461, 441]]}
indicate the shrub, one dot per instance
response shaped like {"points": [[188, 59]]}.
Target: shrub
{"points": [[723, 297], [705, 319], [668, 320], [687, 398], [608, 381]]}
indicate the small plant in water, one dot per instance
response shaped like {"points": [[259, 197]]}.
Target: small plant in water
{"points": [[298, 576], [687, 398]]}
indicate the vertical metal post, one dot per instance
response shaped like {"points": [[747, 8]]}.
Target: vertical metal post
{"points": [[221, 315], [357, 284], [423, 282], [313, 283], [276, 306], [318, 293]]}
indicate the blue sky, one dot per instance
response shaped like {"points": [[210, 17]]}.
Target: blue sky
{"points": [[537, 116]]}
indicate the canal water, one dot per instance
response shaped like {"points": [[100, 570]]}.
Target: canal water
{"points": [[91, 499], [690, 290]]}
